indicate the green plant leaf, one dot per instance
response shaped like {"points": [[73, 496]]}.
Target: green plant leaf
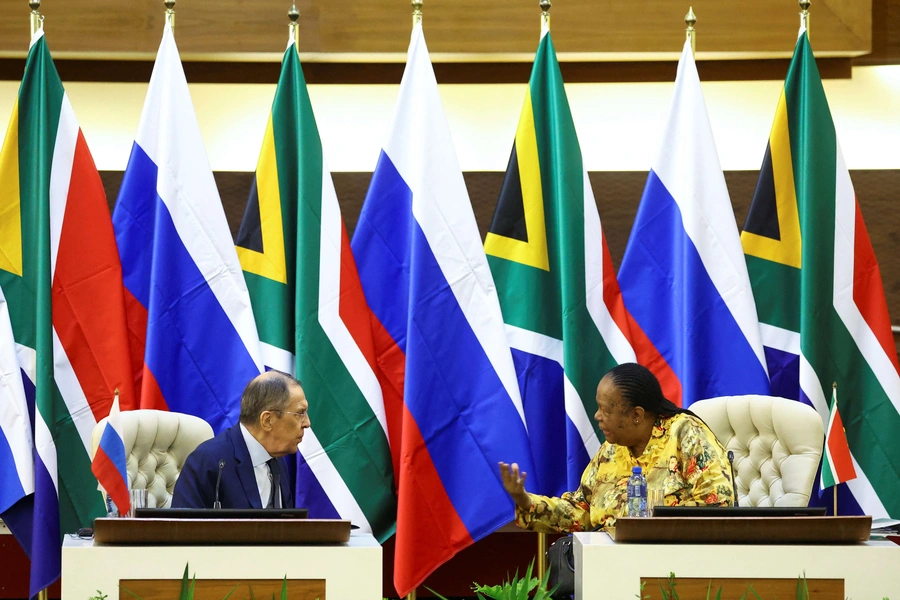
{"points": [[436, 595], [187, 585], [252, 595], [129, 592], [228, 595], [802, 587], [542, 593], [671, 583], [284, 588]]}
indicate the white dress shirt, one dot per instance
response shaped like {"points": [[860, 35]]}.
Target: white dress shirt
{"points": [[259, 456]]}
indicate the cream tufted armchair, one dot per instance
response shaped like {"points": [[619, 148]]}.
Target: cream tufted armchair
{"points": [[157, 443], [777, 445]]}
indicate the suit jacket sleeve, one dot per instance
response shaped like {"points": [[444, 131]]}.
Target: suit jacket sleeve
{"points": [[196, 484]]}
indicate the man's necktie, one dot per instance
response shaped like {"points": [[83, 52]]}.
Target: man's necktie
{"points": [[275, 478]]}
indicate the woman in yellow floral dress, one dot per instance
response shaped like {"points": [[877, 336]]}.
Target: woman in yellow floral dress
{"points": [[675, 449]]}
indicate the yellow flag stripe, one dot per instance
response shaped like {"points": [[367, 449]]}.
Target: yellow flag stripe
{"points": [[10, 211], [533, 252], [787, 250], [269, 263]]}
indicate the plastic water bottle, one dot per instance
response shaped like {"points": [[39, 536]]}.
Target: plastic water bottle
{"points": [[637, 493], [111, 509]]}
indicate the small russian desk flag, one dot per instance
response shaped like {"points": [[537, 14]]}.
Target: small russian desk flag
{"points": [[108, 464]]}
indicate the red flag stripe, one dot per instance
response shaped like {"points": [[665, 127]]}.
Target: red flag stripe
{"points": [[868, 290], [429, 530], [147, 392], [373, 341], [88, 303], [839, 451]]}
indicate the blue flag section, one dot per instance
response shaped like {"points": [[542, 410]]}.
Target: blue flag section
{"points": [[683, 276]]}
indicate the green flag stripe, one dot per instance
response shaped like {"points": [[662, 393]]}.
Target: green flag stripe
{"points": [[288, 315], [342, 417], [76, 481], [779, 309], [273, 310], [529, 297], [40, 99], [587, 357]]}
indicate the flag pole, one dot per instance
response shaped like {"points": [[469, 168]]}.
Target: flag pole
{"points": [[294, 27], [170, 14], [417, 12], [545, 17], [37, 20], [690, 19], [541, 536], [804, 15], [834, 488], [37, 23], [416, 20]]}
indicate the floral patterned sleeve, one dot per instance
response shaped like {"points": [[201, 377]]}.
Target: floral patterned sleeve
{"points": [[570, 512], [705, 467]]}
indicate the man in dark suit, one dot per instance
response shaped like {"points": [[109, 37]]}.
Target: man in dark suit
{"points": [[251, 455]]}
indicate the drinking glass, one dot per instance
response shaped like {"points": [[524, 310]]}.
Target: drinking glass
{"points": [[655, 497], [138, 500]]}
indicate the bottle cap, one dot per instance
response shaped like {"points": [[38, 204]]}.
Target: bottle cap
{"points": [[635, 469]]}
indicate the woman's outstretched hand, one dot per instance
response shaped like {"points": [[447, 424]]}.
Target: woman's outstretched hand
{"points": [[514, 483]]}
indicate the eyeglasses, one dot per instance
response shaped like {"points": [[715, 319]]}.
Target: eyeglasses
{"points": [[299, 415]]}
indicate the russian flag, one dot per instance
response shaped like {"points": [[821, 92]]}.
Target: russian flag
{"points": [[186, 298], [108, 464], [684, 278], [426, 278]]}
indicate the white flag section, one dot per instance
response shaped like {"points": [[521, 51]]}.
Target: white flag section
{"points": [[683, 276], [16, 443], [179, 261]]}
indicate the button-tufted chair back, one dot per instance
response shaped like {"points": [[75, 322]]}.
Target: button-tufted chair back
{"points": [[157, 442], [777, 444]]}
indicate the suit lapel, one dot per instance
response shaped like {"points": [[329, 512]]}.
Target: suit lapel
{"points": [[245, 467]]}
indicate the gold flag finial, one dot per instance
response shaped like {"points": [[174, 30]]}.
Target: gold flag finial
{"points": [[804, 15], [293, 15], [690, 19], [545, 17], [170, 13], [37, 20], [417, 12]]}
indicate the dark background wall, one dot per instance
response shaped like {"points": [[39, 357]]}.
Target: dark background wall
{"points": [[617, 195]]}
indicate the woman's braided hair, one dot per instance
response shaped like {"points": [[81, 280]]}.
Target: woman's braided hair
{"points": [[639, 387]]}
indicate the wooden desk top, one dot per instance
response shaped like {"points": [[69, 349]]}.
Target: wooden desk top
{"points": [[243, 532], [743, 530]]}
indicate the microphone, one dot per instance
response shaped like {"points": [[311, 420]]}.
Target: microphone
{"points": [[218, 504], [733, 477]]}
